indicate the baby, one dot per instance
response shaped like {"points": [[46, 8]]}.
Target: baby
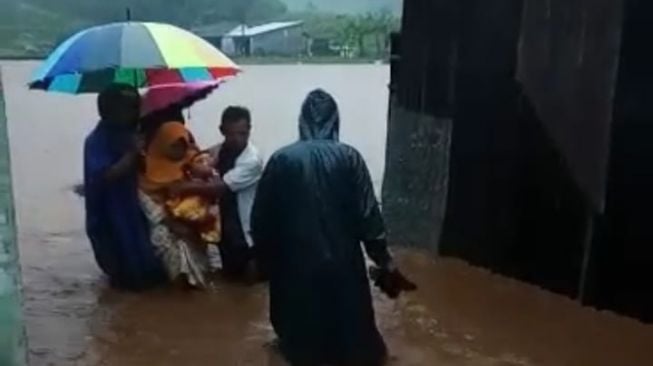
{"points": [[195, 210]]}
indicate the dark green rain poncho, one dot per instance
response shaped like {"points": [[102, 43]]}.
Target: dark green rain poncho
{"points": [[314, 207]]}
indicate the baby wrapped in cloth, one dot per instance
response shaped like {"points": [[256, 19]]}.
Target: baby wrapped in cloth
{"points": [[172, 157], [197, 210]]}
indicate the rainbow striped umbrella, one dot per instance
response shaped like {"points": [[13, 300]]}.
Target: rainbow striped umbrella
{"points": [[139, 54]]}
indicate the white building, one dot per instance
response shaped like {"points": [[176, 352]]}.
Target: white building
{"points": [[277, 39]]}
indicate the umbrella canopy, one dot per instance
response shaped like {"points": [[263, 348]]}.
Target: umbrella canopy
{"points": [[139, 54], [179, 96]]}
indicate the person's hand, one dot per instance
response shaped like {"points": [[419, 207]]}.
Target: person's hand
{"points": [[129, 160], [216, 180], [179, 188], [391, 281], [201, 171], [135, 150]]}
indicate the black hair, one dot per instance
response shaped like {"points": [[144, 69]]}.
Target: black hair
{"points": [[163, 115], [233, 114], [151, 123], [113, 94]]}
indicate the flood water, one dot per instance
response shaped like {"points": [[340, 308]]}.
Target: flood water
{"points": [[461, 316]]}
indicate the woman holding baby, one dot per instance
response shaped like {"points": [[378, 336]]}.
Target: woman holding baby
{"points": [[178, 196], [152, 198]]}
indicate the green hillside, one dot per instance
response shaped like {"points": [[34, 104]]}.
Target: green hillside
{"points": [[33, 27]]}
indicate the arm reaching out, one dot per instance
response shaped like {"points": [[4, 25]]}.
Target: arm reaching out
{"points": [[211, 188], [128, 162], [247, 171], [385, 274], [125, 165], [371, 227]]}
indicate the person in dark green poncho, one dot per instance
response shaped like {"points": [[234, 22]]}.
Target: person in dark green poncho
{"points": [[314, 206]]}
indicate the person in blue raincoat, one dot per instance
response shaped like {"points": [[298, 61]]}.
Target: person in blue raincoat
{"points": [[314, 207], [115, 225]]}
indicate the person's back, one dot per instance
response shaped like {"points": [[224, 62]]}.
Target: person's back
{"points": [[321, 204], [314, 207]]}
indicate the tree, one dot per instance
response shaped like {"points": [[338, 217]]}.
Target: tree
{"points": [[359, 29], [265, 10], [383, 23], [352, 32], [184, 13], [311, 8]]}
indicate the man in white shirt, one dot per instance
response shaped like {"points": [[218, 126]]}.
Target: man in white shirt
{"points": [[240, 167]]}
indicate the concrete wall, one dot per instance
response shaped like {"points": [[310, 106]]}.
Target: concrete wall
{"points": [[419, 127], [12, 335]]}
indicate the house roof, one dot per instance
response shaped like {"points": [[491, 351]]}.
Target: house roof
{"points": [[214, 30], [243, 30]]}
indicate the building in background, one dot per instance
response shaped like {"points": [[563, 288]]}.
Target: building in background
{"points": [[271, 39], [214, 33]]}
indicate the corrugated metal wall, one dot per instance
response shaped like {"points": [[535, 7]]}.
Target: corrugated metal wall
{"points": [[623, 255], [502, 112]]}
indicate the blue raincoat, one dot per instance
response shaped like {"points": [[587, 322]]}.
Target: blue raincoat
{"points": [[115, 224]]}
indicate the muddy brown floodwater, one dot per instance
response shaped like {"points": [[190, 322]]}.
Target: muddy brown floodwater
{"points": [[461, 316]]}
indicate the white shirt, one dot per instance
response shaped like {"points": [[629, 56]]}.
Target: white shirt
{"points": [[243, 180]]}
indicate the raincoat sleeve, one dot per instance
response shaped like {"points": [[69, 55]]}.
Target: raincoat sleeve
{"points": [[246, 172], [264, 214], [371, 227], [96, 163]]}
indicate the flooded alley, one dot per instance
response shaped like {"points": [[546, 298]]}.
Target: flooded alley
{"points": [[460, 316]]}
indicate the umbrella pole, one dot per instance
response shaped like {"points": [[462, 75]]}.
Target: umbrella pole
{"points": [[128, 17]]}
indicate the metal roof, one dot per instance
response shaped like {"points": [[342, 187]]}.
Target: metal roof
{"points": [[245, 31], [214, 30]]}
